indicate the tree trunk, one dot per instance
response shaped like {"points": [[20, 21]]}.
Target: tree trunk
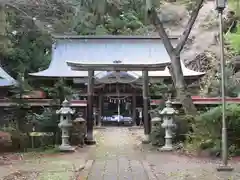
{"points": [[3, 27], [180, 85], [174, 53]]}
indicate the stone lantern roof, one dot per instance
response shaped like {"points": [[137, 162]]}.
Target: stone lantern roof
{"points": [[168, 110], [65, 109]]}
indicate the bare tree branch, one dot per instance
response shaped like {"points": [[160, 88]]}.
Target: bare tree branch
{"points": [[18, 9], [174, 53], [189, 27], [160, 29]]}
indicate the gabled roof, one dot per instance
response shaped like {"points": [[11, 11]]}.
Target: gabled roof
{"points": [[105, 50]]}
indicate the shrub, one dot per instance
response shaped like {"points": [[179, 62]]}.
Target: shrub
{"points": [[5, 141], [157, 135], [19, 140], [206, 133]]}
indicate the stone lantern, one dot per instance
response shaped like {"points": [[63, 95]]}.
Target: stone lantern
{"points": [[65, 124], [168, 115]]}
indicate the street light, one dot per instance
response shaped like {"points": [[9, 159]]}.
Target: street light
{"points": [[220, 6]]}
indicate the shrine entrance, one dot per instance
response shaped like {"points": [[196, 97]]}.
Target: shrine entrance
{"points": [[117, 105], [93, 81], [118, 102]]}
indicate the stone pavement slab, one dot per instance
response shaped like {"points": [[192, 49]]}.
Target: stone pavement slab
{"points": [[119, 170], [116, 157]]}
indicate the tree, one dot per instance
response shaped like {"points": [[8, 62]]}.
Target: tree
{"points": [[59, 92], [19, 109], [174, 53]]}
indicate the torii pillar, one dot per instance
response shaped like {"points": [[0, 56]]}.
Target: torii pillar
{"points": [[146, 119], [90, 119]]}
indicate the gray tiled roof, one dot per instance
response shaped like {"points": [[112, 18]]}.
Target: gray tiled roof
{"points": [[104, 50], [6, 79]]}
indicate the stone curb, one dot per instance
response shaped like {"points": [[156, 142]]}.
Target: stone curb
{"points": [[85, 172], [99, 127], [149, 171], [135, 127]]}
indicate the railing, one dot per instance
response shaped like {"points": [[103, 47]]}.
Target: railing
{"points": [[202, 101]]}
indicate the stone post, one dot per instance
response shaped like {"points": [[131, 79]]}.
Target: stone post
{"points": [[134, 105], [65, 124], [168, 115], [100, 104]]}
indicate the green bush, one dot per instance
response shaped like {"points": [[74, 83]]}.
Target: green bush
{"points": [[206, 133], [234, 40], [157, 135], [42, 141]]}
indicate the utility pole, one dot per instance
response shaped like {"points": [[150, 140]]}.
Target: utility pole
{"points": [[220, 6]]}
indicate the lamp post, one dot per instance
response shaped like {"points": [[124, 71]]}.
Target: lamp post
{"points": [[220, 6]]}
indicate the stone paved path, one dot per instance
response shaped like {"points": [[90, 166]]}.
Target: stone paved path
{"points": [[117, 157], [120, 155]]}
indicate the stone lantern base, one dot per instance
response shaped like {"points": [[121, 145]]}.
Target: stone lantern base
{"points": [[168, 144], [166, 148], [66, 148]]}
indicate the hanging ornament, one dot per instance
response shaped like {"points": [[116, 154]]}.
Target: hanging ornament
{"points": [[126, 106]]}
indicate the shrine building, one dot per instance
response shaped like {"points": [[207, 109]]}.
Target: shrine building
{"points": [[112, 73]]}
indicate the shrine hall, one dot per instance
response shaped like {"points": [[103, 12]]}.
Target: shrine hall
{"points": [[113, 73]]}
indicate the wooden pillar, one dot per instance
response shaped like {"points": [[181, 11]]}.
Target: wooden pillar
{"points": [[100, 109], [90, 119], [134, 107], [146, 119]]}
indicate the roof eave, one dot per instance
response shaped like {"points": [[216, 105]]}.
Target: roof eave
{"points": [[54, 76], [58, 36]]}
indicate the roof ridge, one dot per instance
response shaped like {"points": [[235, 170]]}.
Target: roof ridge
{"points": [[62, 36]]}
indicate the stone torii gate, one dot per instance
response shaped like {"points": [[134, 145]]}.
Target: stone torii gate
{"points": [[76, 66]]}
